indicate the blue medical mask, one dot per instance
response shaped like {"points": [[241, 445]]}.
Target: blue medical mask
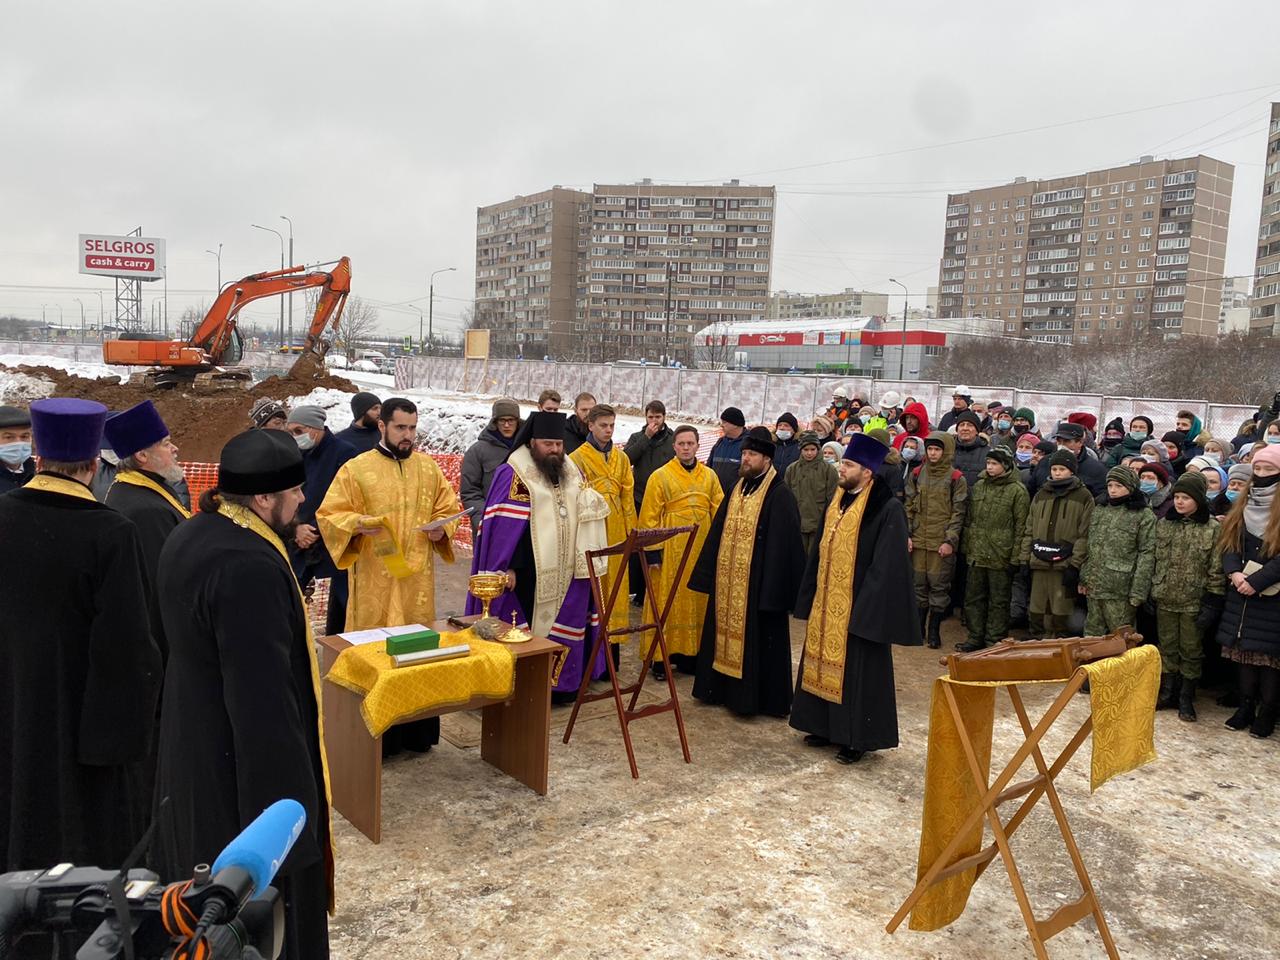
{"points": [[1148, 486], [1137, 436], [830, 460], [16, 453], [1271, 438], [864, 417], [1004, 425], [1232, 495], [304, 440], [1023, 456], [910, 453], [783, 434]]}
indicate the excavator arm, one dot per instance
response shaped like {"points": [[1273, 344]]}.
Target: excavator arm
{"points": [[209, 344]]}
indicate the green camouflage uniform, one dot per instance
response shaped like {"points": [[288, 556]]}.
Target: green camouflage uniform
{"points": [[937, 495], [1188, 565], [993, 527], [1117, 571], [1055, 516], [814, 483]]}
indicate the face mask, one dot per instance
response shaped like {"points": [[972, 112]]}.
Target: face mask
{"points": [[1137, 436], [1020, 429], [1271, 438], [1232, 495], [1023, 456], [16, 453], [1213, 457], [784, 434], [1004, 425], [909, 453], [1261, 483], [1148, 486], [864, 417], [305, 441], [830, 460]]}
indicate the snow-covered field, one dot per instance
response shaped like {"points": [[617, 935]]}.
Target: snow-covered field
{"points": [[449, 422]]}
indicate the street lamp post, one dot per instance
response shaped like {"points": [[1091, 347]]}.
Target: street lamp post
{"points": [[902, 349], [102, 315], [281, 236], [419, 309], [431, 305], [217, 253], [81, 302], [291, 263]]}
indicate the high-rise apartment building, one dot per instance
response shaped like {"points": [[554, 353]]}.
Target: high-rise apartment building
{"points": [[1106, 255], [530, 253], [785, 305], [624, 272], [668, 260], [1264, 313]]}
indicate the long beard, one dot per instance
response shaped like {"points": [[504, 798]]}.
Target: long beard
{"points": [[173, 474], [550, 465], [284, 530]]}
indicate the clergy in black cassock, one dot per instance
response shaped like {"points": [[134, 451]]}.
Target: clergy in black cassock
{"points": [[858, 598], [239, 726], [750, 564], [79, 673], [142, 490]]}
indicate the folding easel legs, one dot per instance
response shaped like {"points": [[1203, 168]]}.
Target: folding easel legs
{"points": [[658, 645], [999, 792]]}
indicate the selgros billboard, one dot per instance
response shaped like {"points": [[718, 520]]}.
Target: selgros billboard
{"points": [[137, 258]]}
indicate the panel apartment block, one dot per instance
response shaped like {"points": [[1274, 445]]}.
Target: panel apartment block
{"points": [[1264, 313], [530, 253], [665, 261], [1112, 254], [784, 305]]}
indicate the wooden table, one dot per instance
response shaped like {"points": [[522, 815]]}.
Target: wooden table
{"points": [[515, 733]]}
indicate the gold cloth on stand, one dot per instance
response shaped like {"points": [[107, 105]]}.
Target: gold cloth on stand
{"points": [[1122, 693], [392, 694]]}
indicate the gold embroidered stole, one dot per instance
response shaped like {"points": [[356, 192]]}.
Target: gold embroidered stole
{"points": [[733, 574], [136, 479], [247, 519], [51, 484], [826, 638]]}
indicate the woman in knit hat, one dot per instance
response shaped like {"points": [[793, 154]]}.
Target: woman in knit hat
{"points": [[1153, 481], [1156, 452], [1237, 483], [1249, 631], [1116, 576], [1187, 589], [832, 451]]}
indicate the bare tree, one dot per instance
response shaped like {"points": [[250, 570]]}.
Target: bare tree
{"points": [[359, 322]]}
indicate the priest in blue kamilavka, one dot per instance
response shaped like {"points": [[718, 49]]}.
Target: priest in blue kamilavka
{"points": [[540, 518]]}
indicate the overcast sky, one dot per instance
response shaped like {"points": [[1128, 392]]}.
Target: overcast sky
{"points": [[379, 127]]}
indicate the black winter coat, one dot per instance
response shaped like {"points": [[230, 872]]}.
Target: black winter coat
{"points": [[358, 438], [647, 454], [1251, 623], [12, 480], [321, 464]]}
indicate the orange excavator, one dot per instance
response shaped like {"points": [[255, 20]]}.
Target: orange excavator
{"points": [[216, 343]]}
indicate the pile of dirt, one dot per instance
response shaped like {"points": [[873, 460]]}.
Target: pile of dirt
{"points": [[199, 423]]}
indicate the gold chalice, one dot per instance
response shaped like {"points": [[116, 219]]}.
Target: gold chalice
{"points": [[487, 587]]}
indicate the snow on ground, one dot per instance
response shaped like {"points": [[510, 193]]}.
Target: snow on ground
{"points": [[448, 421]]}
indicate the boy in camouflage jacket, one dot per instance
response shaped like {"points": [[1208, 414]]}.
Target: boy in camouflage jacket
{"points": [[936, 499], [1055, 545], [1188, 589], [993, 526], [1116, 576]]}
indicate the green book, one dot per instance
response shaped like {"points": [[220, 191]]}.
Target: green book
{"points": [[414, 642]]}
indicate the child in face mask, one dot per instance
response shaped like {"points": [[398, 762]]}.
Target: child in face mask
{"points": [[832, 452]]}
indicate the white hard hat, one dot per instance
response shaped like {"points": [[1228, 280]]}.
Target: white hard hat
{"points": [[841, 391], [891, 399]]}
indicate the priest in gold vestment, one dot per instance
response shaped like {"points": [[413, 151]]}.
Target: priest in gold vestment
{"points": [[857, 596], [680, 493], [372, 522], [750, 568], [608, 472]]}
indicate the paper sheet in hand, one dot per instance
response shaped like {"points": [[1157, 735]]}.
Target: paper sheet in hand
{"points": [[379, 634], [439, 524]]}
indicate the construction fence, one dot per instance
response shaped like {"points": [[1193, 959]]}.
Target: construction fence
{"points": [[762, 397]]}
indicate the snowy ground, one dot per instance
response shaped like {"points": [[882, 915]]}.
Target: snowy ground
{"points": [[448, 422]]}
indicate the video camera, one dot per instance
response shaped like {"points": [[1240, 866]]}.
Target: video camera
{"points": [[225, 912]]}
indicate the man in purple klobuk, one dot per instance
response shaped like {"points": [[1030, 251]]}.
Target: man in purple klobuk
{"points": [[540, 518]]}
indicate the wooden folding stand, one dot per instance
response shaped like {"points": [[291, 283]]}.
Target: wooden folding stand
{"points": [[1001, 792], [637, 542]]}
